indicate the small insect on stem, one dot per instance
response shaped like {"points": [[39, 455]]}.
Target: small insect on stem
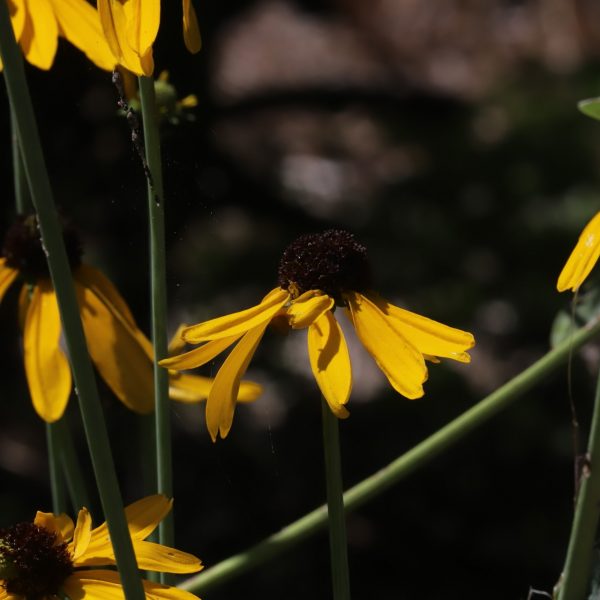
{"points": [[134, 124]]}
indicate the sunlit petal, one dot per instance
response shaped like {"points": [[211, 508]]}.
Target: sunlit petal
{"points": [[330, 362], [82, 535], [16, 9], [39, 38], [191, 31], [220, 404], [154, 557], [7, 276], [46, 367], [143, 20], [400, 361], [116, 351], [79, 22], [194, 388], [583, 258], [239, 322], [62, 525], [199, 356], [307, 308], [428, 336]]}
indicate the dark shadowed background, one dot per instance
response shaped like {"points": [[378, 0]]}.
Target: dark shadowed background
{"points": [[445, 135]]}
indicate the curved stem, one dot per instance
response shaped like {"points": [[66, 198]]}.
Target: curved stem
{"points": [[575, 578], [83, 374], [397, 470]]}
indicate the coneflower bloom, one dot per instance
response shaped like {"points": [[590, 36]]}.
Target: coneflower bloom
{"points": [[38, 25], [52, 557], [583, 258], [120, 351], [319, 274], [131, 26]]}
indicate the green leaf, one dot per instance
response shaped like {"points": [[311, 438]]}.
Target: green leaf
{"points": [[590, 107]]}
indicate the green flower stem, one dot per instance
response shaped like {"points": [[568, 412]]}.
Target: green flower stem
{"points": [[336, 518], [83, 374], [159, 300], [397, 470], [22, 195], [575, 579], [57, 481], [71, 467]]}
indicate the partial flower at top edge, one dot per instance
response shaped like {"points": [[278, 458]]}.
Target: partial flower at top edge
{"points": [[319, 273], [53, 556]]}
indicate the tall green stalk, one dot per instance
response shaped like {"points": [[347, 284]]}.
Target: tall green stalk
{"points": [[57, 479], [22, 195], [336, 519], [158, 276], [397, 470], [83, 375], [575, 579]]}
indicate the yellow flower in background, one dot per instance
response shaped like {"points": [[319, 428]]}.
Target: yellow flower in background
{"points": [[131, 27], [39, 23], [583, 258], [119, 349], [318, 274], [52, 557]]}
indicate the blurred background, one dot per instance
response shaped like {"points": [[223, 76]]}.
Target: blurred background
{"points": [[445, 135]]}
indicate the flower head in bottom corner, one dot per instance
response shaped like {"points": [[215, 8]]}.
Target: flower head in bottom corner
{"points": [[51, 556], [318, 274]]}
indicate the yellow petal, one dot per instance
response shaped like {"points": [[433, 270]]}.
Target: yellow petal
{"points": [[583, 258], [7, 276], [399, 360], [61, 525], [16, 9], [154, 557], [191, 31], [143, 20], [98, 584], [428, 336], [220, 404], [39, 39], [194, 388], [79, 22], [239, 322], [82, 535], [24, 301], [199, 356], [142, 518], [114, 21], [330, 362], [115, 348], [308, 308], [176, 344], [46, 367]]}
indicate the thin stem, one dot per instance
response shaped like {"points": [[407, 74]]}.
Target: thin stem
{"points": [[575, 579], [22, 195], [72, 468], [340, 573], [57, 480], [397, 470], [83, 375], [156, 217]]}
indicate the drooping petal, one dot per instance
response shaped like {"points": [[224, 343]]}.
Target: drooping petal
{"points": [[16, 9], [330, 362], [79, 22], [142, 518], [7, 276], [114, 21], [115, 348], [195, 388], [143, 21], [98, 584], [24, 301], [39, 38], [46, 367], [199, 356], [399, 360], [239, 322], [220, 404], [307, 308], [62, 525], [176, 343], [82, 535], [154, 557], [583, 258], [191, 31], [428, 336]]}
